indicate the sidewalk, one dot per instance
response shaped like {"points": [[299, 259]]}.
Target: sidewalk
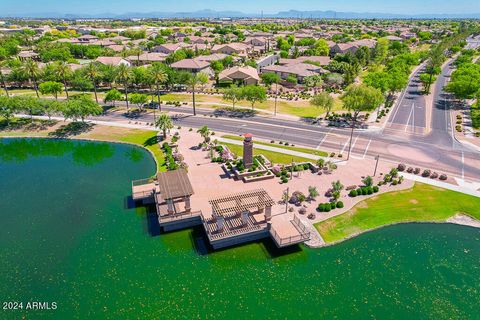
{"points": [[466, 188], [104, 123]]}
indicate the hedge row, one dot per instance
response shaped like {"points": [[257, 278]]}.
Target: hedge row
{"points": [[326, 207], [363, 191]]}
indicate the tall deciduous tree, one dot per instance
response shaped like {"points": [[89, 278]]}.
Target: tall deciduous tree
{"points": [[324, 101], [112, 96], [233, 94], [358, 98], [51, 87], [254, 94]]}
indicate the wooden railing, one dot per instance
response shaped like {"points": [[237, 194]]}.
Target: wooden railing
{"points": [[303, 236], [179, 216]]}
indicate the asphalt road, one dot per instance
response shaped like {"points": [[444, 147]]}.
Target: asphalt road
{"points": [[403, 140], [410, 113]]}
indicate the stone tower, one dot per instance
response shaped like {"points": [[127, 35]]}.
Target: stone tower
{"points": [[248, 150]]}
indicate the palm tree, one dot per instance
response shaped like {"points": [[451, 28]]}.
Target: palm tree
{"points": [[194, 80], [2, 78], [32, 71], [204, 132], [164, 123], [137, 52], [158, 77], [93, 73], [124, 74], [63, 70]]}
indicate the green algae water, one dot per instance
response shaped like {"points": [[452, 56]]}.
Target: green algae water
{"points": [[70, 235]]}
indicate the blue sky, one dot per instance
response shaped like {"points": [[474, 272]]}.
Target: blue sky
{"points": [[247, 6]]}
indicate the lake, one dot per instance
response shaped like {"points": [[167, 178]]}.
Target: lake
{"points": [[70, 235]]}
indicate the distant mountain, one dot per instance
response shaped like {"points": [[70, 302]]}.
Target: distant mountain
{"points": [[211, 14]]}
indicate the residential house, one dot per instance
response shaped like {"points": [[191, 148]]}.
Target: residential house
{"points": [[169, 48], [147, 58], [298, 70], [230, 48], [113, 61], [211, 57], [193, 65], [245, 75], [88, 38]]}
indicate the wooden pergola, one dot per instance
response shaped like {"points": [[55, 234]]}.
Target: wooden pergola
{"points": [[174, 185], [238, 203]]}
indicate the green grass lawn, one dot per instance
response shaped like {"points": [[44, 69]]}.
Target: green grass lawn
{"points": [[274, 157], [421, 203], [146, 139], [281, 146], [300, 108]]}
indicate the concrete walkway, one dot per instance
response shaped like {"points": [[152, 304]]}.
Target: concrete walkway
{"points": [[316, 239], [463, 187], [99, 122]]}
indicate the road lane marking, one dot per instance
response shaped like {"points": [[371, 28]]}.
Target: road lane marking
{"points": [[368, 146], [344, 146], [354, 142], [324, 137], [409, 116]]}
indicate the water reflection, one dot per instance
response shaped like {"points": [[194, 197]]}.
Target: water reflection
{"points": [[84, 153]]}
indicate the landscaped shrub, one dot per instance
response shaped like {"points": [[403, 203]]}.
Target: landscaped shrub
{"points": [[364, 191], [311, 216], [359, 191], [353, 193], [443, 176], [434, 175], [284, 179], [426, 173], [333, 205], [395, 182], [306, 166], [416, 171], [401, 167], [394, 172], [321, 207], [369, 190], [339, 204], [410, 170], [375, 189], [328, 207]]}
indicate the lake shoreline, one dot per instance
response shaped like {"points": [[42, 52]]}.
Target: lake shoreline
{"points": [[458, 219], [29, 136]]}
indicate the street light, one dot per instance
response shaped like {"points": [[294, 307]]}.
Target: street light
{"points": [[376, 164]]}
